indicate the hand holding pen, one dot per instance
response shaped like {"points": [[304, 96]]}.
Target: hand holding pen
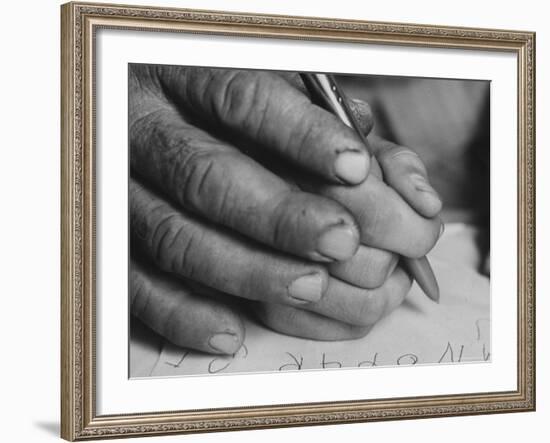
{"points": [[313, 245], [326, 92]]}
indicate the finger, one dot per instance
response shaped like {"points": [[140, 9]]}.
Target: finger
{"points": [[362, 307], [386, 221], [305, 324], [368, 268], [143, 91], [362, 111], [404, 171], [218, 182], [262, 108], [181, 315], [180, 243]]}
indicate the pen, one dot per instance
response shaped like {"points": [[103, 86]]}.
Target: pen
{"points": [[326, 93]]}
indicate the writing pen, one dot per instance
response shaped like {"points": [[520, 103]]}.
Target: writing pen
{"points": [[326, 93]]}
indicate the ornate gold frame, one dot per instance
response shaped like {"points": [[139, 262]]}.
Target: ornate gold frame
{"points": [[79, 23]]}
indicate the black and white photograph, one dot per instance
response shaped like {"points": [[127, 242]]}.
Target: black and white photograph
{"points": [[278, 221], [291, 221]]}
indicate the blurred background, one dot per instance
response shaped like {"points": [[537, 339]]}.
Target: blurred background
{"points": [[447, 123]]}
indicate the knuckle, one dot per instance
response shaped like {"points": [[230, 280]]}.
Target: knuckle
{"points": [[184, 261], [204, 185], [390, 151], [172, 245], [234, 94], [191, 176], [161, 234], [402, 157]]}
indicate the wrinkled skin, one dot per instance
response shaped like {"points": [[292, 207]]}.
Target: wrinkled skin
{"points": [[242, 190]]}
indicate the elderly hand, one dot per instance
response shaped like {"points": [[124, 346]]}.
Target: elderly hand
{"points": [[242, 188]]}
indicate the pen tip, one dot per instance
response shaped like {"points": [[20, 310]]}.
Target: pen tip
{"points": [[423, 274], [432, 290]]}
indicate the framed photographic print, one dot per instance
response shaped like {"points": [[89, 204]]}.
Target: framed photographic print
{"points": [[282, 221]]}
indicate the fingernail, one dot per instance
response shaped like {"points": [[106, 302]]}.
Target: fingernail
{"points": [[307, 288], [351, 167], [225, 343], [441, 230], [338, 242]]}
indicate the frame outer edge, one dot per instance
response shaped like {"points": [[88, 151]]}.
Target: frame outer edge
{"points": [[531, 146], [526, 222], [78, 419], [67, 224]]}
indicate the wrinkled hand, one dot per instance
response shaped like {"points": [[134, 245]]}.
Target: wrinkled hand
{"points": [[316, 250]]}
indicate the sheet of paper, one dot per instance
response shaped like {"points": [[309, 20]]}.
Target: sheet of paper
{"points": [[457, 330]]}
